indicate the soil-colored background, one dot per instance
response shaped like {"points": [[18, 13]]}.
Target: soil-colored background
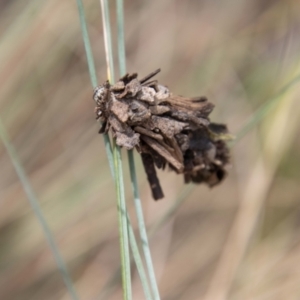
{"points": [[240, 240]]}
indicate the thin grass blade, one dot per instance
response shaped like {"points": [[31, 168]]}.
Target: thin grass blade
{"points": [[121, 39], [137, 200], [138, 261], [93, 75], [142, 228], [107, 41], [87, 44], [37, 211], [123, 224], [122, 211], [265, 109]]}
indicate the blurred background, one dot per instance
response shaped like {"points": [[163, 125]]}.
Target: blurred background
{"points": [[239, 240]]}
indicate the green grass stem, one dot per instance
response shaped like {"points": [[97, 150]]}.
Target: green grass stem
{"points": [[142, 227], [122, 211], [138, 260], [121, 39], [137, 200], [123, 223], [181, 198], [107, 41], [93, 75]]}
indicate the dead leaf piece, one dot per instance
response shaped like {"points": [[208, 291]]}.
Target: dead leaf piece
{"points": [[166, 129]]}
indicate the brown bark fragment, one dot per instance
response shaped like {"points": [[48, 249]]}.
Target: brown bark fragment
{"points": [[163, 152], [153, 180], [148, 133], [120, 109], [167, 126]]}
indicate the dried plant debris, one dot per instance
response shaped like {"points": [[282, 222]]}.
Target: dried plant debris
{"points": [[165, 129]]}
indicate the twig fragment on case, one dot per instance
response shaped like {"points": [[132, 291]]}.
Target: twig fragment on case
{"points": [[166, 129]]}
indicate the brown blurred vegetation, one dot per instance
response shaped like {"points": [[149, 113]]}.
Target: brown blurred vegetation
{"points": [[240, 240]]}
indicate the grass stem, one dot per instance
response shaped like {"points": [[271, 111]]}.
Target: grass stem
{"points": [[142, 227], [123, 223], [122, 211], [137, 200], [93, 75], [138, 261]]}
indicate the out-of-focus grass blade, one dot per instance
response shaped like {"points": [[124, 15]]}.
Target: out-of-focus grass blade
{"points": [[180, 199], [87, 44], [37, 210], [264, 110]]}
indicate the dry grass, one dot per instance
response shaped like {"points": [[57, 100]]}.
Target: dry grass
{"points": [[237, 241]]}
